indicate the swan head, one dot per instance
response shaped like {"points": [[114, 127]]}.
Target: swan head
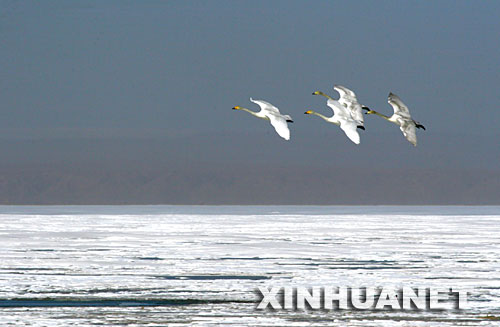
{"points": [[369, 112], [237, 108], [308, 112], [317, 93]]}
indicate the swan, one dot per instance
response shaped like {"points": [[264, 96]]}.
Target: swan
{"points": [[341, 117], [273, 115], [348, 99], [401, 117]]}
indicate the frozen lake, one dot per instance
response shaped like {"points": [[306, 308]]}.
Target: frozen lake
{"points": [[201, 265]]}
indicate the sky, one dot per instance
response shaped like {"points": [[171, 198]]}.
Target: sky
{"points": [[106, 90]]}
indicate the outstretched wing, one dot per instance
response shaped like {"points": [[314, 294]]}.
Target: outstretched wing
{"points": [[275, 118], [399, 107], [409, 131], [349, 100], [345, 92], [280, 125], [266, 106], [338, 109], [357, 113], [349, 127], [343, 116]]}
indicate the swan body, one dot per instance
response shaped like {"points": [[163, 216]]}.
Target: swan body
{"points": [[348, 99], [341, 117], [402, 118], [272, 114]]}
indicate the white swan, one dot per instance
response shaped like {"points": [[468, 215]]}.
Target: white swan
{"points": [[401, 117], [273, 115], [341, 117], [349, 100]]}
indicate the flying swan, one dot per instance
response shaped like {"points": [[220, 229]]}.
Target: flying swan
{"points": [[341, 117], [401, 117], [348, 99], [273, 115]]}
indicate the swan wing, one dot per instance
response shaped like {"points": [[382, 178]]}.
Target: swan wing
{"points": [[280, 125], [399, 107], [349, 100], [275, 117], [344, 92], [409, 131], [349, 127], [357, 113], [338, 109], [266, 106]]}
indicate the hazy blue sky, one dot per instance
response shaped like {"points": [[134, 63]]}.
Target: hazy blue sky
{"points": [[155, 81]]}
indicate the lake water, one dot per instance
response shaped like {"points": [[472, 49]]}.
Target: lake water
{"points": [[201, 265]]}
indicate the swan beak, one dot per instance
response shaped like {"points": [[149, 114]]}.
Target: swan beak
{"points": [[308, 112], [316, 93], [236, 108], [369, 112]]}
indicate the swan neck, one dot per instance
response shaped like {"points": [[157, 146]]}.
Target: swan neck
{"points": [[250, 111], [325, 95], [381, 115], [319, 115]]}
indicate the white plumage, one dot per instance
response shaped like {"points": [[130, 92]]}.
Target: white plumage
{"points": [[341, 117], [348, 99], [273, 115], [402, 118]]}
